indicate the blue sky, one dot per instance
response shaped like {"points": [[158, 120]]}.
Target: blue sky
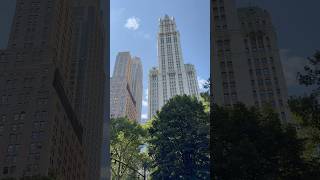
{"points": [[134, 27]]}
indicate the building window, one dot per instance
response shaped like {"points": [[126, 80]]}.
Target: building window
{"points": [[258, 72], [225, 86], [229, 65], [16, 117], [264, 61], [266, 71], [5, 100], [22, 115], [268, 82], [14, 128], [3, 119], [271, 60], [12, 149], [35, 147]]}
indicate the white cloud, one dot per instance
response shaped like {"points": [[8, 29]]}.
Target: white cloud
{"points": [[133, 23], [144, 116], [201, 82], [144, 103]]}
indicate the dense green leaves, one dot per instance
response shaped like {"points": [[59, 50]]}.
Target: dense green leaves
{"points": [[179, 144], [127, 139], [311, 75], [306, 109], [249, 144]]}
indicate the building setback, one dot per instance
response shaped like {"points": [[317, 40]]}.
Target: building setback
{"points": [[52, 90], [126, 87], [172, 77], [246, 61]]}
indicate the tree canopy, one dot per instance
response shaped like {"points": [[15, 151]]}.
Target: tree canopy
{"points": [[252, 144], [179, 140], [306, 109], [311, 74], [127, 140]]}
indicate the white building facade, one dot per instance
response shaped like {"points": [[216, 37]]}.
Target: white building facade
{"points": [[172, 77]]}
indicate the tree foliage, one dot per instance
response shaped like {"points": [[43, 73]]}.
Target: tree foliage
{"points": [[205, 96], [127, 139], [179, 140], [311, 76], [249, 144], [306, 109]]}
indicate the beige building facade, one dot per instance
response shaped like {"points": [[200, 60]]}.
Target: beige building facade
{"points": [[126, 87]]}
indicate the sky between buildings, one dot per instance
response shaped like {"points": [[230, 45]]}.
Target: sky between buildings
{"points": [[134, 28]]}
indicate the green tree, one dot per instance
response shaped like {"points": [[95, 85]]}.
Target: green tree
{"points": [[127, 139], [306, 109], [179, 140], [250, 144], [205, 96], [311, 75]]}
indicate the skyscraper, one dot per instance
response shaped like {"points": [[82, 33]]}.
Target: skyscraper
{"points": [[49, 125], [136, 84], [172, 77], [88, 65], [246, 61], [126, 87], [105, 162]]}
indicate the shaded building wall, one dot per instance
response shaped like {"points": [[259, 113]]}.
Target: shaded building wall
{"points": [[60, 102], [246, 62], [47, 136], [89, 61], [268, 84]]}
